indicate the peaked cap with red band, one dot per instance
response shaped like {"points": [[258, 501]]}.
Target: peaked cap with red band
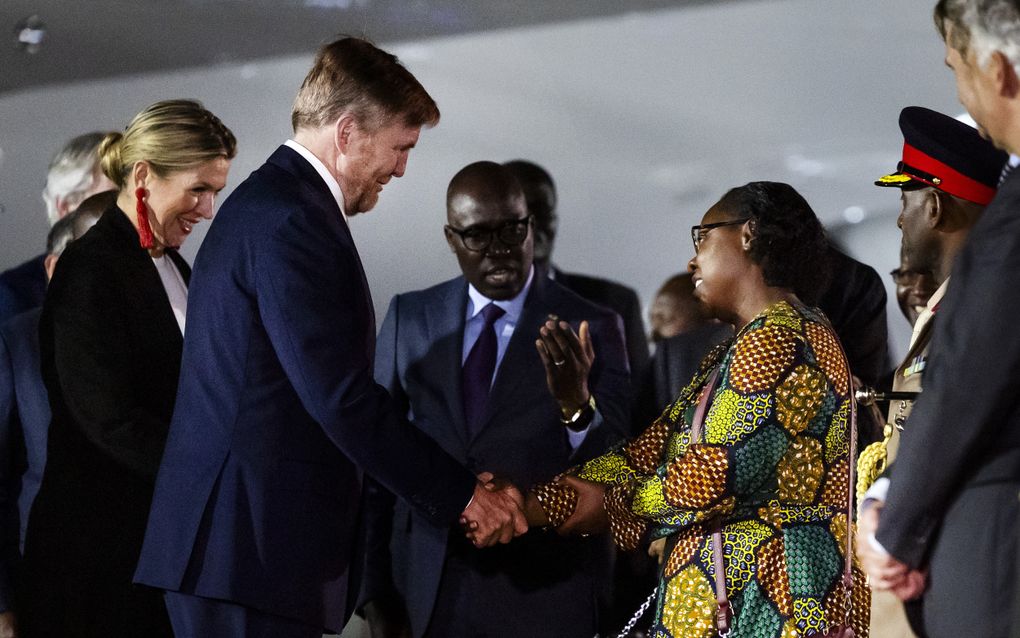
{"points": [[947, 154]]}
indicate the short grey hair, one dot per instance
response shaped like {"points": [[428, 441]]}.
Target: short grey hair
{"points": [[981, 26], [76, 223], [71, 173]]}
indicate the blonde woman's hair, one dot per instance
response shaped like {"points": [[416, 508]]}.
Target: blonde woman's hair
{"points": [[171, 135]]}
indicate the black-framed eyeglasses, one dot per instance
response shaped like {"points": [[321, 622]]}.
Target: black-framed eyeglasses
{"points": [[698, 232], [511, 233]]}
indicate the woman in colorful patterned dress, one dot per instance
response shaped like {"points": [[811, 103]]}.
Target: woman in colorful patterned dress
{"points": [[770, 467]]}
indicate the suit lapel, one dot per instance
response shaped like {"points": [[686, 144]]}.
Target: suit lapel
{"points": [[445, 329], [149, 301], [182, 266]]}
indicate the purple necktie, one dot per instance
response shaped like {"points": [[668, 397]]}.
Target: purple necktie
{"points": [[478, 369]]}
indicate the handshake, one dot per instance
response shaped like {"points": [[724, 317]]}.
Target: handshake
{"points": [[495, 513], [498, 512]]}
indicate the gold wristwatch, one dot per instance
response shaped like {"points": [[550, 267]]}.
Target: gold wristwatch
{"points": [[576, 420]]}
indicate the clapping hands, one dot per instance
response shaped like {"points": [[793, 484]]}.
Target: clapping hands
{"points": [[495, 513]]}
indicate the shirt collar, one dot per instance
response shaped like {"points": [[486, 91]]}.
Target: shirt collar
{"points": [[320, 168], [936, 298], [512, 307]]}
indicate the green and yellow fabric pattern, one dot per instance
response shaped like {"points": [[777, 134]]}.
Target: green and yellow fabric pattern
{"points": [[770, 468]]}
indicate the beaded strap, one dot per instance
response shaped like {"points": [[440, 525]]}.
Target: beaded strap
{"points": [[626, 526], [558, 501]]}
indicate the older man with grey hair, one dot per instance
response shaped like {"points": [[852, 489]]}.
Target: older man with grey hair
{"points": [[950, 522], [73, 176]]}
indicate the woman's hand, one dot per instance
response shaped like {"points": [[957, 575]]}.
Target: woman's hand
{"points": [[657, 549], [533, 511], [589, 516]]}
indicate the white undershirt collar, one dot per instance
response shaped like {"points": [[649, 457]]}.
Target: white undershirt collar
{"points": [[320, 168]]}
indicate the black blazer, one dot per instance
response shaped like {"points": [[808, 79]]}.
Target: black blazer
{"points": [[673, 366], [111, 355], [952, 503], [854, 302]]}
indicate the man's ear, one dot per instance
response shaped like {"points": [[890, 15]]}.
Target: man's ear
{"points": [[346, 129], [935, 209], [50, 264], [449, 239], [1007, 82]]}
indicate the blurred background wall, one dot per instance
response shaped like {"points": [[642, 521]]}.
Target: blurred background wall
{"points": [[645, 113]]}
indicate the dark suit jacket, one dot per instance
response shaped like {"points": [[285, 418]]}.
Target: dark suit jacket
{"points": [[621, 300], [278, 413], [953, 499], [22, 287], [854, 302], [673, 365], [546, 584], [24, 421], [110, 351]]}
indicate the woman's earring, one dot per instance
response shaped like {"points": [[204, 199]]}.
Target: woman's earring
{"points": [[144, 229]]}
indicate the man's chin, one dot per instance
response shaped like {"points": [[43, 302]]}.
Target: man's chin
{"points": [[364, 204]]}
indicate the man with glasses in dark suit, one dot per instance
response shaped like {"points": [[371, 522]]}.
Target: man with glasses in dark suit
{"points": [[488, 365]]}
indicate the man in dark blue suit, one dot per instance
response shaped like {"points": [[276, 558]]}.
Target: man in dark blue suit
{"points": [[951, 518], [25, 410], [526, 422], [252, 527]]}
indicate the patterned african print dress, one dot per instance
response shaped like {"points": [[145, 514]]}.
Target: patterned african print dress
{"points": [[771, 468]]}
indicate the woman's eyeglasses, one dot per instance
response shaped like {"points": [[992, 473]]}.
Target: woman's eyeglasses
{"points": [[511, 233], [698, 232]]}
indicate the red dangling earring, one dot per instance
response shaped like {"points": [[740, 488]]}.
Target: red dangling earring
{"points": [[144, 229]]}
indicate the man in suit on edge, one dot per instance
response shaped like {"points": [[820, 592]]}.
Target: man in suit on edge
{"points": [[540, 192], [252, 527], [952, 505], [25, 411], [461, 358]]}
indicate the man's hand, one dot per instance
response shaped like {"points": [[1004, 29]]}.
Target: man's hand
{"points": [[872, 560], [567, 358], [589, 516], [495, 513], [885, 573], [8, 625], [911, 586]]}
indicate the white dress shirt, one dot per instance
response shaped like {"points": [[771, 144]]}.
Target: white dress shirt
{"points": [[176, 290], [320, 168]]}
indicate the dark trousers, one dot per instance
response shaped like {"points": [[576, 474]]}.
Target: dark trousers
{"points": [[197, 617], [478, 598]]}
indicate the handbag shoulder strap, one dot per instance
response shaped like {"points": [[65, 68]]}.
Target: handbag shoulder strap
{"points": [[722, 613], [722, 618]]}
